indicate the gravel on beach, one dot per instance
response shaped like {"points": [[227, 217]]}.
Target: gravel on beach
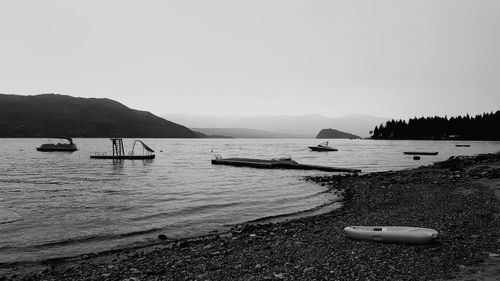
{"points": [[454, 197]]}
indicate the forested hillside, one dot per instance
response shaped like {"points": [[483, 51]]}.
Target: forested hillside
{"points": [[50, 115], [480, 127]]}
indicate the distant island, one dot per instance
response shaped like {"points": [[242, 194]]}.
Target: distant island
{"points": [[51, 115], [335, 134], [480, 127]]}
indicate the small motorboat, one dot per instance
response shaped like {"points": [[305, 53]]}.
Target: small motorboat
{"points": [[322, 147], [399, 234], [462, 145], [70, 146], [420, 153]]}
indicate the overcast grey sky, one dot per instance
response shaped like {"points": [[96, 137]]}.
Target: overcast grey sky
{"points": [[387, 58]]}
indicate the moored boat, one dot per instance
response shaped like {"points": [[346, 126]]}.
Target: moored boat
{"points": [[400, 234], [70, 146], [322, 147]]}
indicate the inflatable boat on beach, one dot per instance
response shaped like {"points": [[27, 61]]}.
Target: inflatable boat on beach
{"points": [[400, 234]]}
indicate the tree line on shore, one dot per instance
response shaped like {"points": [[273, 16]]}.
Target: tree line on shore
{"points": [[480, 127]]}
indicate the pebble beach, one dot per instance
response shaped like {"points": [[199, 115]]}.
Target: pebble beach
{"points": [[458, 197]]}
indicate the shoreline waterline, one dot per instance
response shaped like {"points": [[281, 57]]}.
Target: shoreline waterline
{"points": [[261, 250], [451, 199], [180, 164], [224, 229]]}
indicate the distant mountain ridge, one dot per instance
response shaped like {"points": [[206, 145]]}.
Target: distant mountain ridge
{"points": [[248, 133], [335, 134], [309, 124], [50, 115]]}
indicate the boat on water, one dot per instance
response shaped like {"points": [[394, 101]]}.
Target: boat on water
{"points": [[119, 152], [399, 234], [69, 146], [462, 145], [420, 153], [322, 147]]}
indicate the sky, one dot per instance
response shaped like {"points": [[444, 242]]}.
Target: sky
{"points": [[397, 58]]}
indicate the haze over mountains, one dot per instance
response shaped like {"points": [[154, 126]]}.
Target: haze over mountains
{"points": [[306, 125], [248, 133], [50, 115]]}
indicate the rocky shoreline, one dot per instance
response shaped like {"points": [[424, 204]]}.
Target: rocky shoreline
{"points": [[457, 197]]}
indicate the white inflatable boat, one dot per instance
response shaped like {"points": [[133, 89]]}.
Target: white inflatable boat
{"points": [[401, 234]]}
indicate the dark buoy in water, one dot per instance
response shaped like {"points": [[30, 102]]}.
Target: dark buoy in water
{"points": [[416, 157]]}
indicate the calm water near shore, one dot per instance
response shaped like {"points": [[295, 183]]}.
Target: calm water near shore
{"points": [[65, 204]]}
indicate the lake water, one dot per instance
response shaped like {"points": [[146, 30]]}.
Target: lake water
{"points": [[64, 204]]}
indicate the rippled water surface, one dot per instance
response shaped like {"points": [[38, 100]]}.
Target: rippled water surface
{"points": [[56, 204]]}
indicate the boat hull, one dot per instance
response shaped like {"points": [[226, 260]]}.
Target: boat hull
{"points": [[63, 149], [315, 148], [397, 234]]}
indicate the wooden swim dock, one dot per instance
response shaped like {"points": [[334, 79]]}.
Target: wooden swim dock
{"points": [[277, 164], [122, 157], [119, 152], [420, 153]]}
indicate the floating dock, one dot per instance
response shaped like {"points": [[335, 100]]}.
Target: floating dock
{"points": [[420, 153], [122, 157], [119, 152], [277, 164]]}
